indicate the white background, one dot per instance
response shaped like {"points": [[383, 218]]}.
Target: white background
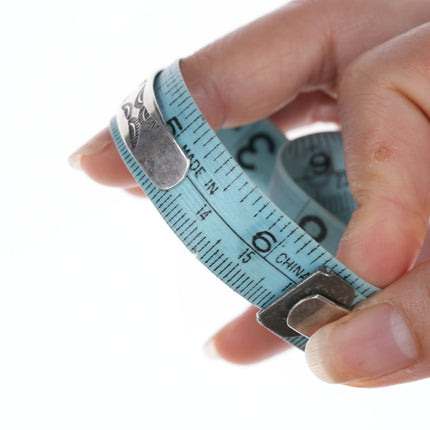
{"points": [[103, 313]]}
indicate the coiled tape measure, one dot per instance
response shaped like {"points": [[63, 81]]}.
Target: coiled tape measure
{"points": [[264, 214]]}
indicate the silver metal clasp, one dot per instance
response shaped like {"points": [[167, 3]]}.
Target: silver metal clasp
{"points": [[321, 298], [148, 139]]}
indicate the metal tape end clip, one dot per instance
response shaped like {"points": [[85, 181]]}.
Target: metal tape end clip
{"points": [[321, 298], [149, 140]]}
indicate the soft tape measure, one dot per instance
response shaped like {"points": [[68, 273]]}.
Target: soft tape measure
{"points": [[264, 214]]}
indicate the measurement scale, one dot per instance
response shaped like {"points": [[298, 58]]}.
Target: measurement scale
{"points": [[264, 214]]}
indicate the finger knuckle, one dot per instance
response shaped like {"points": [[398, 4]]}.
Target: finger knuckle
{"points": [[360, 76]]}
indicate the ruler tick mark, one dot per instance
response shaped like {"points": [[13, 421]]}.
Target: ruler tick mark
{"points": [[193, 239], [222, 262], [255, 292], [299, 238], [177, 98], [203, 247], [292, 232], [189, 226], [212, 256], [249, 193], [268, 300], [186, 108], [179, 219], [268, 216], [243, 185], [199, 127], [233, 181], [219, 155], [245, 280], [256, 201], [238, 279], [263, 290], [174, 207], [231, 170], [169, 196], [276, 222], [216, 261], [191, 113], [261, 209], [317, 258], [210, 140], [312, 250], [189, 234], [242, 292], [226, 267], [235, 267], [210, 152], [327, 261], [201, 240], [210, 249], [223, 164], [304, 246]]}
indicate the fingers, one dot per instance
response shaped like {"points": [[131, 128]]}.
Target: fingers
{"points": [[386, 131], [255, 71], [135, 191], [386, 342], [100, 160], [244, 341]]}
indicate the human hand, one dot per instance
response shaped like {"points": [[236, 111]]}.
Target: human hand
{"points": [[365, 65]]}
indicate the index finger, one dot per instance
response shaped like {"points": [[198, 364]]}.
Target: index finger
{"points": [[256, 70]]}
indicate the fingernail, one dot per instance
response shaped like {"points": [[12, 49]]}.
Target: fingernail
{"points": [[372, 342], [210, 349], [96, 144]]}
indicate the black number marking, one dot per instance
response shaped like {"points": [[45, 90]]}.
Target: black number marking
{"points": [[246, 255], [251, 148], [204, 212], [263, 241], [320, 163], [308, 223], [174, 123]]}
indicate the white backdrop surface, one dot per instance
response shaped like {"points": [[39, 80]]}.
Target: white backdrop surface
{"points": [[103, 313]]}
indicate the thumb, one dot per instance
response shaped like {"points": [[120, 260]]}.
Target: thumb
{"points": [[384, 118], [386, 341]]}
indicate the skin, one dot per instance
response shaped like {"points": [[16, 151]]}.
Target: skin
{"points": [[363, 64]]}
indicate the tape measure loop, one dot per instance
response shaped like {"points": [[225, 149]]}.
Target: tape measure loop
{"points": [[231, 211]]}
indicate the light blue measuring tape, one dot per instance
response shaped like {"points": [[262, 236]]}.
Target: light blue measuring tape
{"points": [[264, 214]]}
